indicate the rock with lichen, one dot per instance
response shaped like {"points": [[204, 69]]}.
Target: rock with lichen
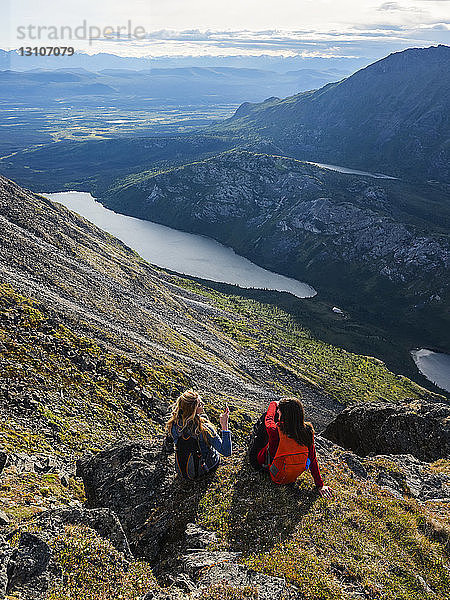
{"points": [[418, 428]]}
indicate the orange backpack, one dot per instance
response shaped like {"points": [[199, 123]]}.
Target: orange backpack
{"points": [[290, 460]]}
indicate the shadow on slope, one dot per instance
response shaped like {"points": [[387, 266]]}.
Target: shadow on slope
{"points": [[365, 542], [249, 512]]}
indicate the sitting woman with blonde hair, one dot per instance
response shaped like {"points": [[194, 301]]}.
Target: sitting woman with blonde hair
{"points": [[197, 443]]}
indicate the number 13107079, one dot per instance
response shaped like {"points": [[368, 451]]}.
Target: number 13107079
{"points": [[46, 51]]}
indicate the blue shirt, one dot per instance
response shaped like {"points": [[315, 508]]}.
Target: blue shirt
{"points": [[211, 449]]}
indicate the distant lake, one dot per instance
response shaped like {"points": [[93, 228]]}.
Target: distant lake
{"points": [[351, 171], [185, 253], [434, 365]]}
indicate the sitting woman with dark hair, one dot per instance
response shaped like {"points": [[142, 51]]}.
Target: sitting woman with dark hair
{"points": [[290, 449]]}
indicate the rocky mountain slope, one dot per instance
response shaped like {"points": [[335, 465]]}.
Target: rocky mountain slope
{"points": [[378, 247], [94, 343], [392, 116], [374, 246]]}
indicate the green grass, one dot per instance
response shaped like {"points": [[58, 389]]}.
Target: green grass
{"points": [[281, 341], [23, 495], [362, 539], [93, 570]]}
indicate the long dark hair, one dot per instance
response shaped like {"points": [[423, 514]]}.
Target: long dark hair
{"points": [[292, 421]]}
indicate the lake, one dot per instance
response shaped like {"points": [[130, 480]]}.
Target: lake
{"points": [[434, 365], [351, 171], [185, 253]]}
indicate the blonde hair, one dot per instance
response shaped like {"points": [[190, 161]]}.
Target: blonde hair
{"points": [[184, 415]]}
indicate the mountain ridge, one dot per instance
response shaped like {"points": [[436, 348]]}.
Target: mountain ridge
{"points": [[380, 118], [327, 228]]}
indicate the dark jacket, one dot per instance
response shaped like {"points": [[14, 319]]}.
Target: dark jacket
{"points": [[212, 448]]}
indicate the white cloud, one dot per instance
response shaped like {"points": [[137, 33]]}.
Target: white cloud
{"points": [[247, 27], [373, 41], [213, 14], [391, 6]]}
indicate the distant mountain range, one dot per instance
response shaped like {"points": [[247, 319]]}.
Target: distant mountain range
{"points": [[393, 116], [196, 85], [103, 60]]}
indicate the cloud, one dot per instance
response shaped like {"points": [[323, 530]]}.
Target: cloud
{"points": [[360, 42], [387, 27], [390, 6], [437, 26], [370, 40], [292, 40]]}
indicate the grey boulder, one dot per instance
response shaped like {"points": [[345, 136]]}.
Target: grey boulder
{"points": [[419, 428]]}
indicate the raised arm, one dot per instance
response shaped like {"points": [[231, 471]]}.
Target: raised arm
{"points": [[272, 428], [223, 443]]}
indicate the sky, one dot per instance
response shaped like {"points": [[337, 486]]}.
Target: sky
{"points": [[281, 28]]}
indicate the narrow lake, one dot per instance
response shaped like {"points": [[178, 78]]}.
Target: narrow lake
{"points": [[351, 171], [178, 251], [434, 365]]}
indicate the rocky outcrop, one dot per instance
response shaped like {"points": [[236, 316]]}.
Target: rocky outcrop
{"points": [[39, 463], [3, 459], [5, 554], [125, 475], [223, 571], [102, 520], [404, 475], [29, 568], [418, 428], [136, 481], [399, 474], [199, 567]]}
